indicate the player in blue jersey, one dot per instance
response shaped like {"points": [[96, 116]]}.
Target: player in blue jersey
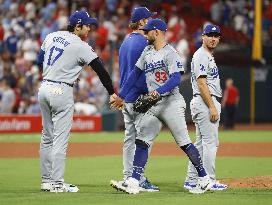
{"points": [[129, 52]]}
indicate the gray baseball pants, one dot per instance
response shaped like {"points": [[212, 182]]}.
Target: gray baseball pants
{"points": [[206, 137], [131, 119], [57, 107], [171, 111]]}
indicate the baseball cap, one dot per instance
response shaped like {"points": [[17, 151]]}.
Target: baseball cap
{"points": [[211, 29], [155, 24], [81, 17], [140, 13]]}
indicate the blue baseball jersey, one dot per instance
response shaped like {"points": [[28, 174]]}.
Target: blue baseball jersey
{"points": [[129, 52]]}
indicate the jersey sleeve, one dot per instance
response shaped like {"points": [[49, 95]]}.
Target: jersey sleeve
{"points": [[141, 60], [174, 62], [200, 65], [86, 54], [43, 46]]}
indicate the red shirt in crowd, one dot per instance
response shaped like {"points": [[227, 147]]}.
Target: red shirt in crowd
{"points": [[232, 95], [2, 32]]}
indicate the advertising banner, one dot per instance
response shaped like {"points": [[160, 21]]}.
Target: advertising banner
{"points": [[33, 123]]}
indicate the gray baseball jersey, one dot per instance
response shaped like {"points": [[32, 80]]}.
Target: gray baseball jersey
{"points": [[65, 55], [203, 64], [206, 131], [158, 66]]}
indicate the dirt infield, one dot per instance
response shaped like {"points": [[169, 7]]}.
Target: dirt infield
{"points": [[250, 182], [30, 150]]}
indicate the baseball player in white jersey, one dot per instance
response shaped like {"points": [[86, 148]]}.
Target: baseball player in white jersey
{"points": [[205, 108], [163, 69], [63, 55]]}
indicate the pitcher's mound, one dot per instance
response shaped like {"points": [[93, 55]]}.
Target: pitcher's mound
{"points": [[250, 182]]}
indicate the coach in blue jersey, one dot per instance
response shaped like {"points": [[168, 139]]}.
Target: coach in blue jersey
{"points": [[63, 55], [129, 52]]}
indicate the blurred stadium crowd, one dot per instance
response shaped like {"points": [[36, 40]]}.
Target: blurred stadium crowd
{"points": [[24, 25]]}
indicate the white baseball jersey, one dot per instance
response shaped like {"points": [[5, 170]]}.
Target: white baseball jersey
{"points": [[203, 64], [65, 56], [159, 65]]}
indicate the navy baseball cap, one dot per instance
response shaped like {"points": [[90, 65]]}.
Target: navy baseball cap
{"points": [[81, 17], [211, 29], [155, 24], [140, 13]]}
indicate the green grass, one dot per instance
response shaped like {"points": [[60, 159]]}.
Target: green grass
{"points": [[225, 136], [20, 178], [19, 182]]}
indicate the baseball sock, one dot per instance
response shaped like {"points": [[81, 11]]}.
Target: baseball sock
{"points": [[140, 159], [193, 154]]}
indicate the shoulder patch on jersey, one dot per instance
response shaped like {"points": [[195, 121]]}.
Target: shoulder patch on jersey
{"points": [[179, 64], [202, 67]]}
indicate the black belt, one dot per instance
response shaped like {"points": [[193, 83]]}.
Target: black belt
{"points": [[59, 82], [217, 98]]}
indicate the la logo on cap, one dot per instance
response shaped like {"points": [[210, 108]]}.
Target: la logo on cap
{"points": [[213, 28]]}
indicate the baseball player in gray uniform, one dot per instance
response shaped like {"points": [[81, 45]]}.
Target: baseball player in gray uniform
{"points": [[163, 69], [205, 108], [63, 55]]}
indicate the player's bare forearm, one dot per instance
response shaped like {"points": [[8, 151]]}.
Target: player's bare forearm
{"points": [[204, 91], [206, 96], [225, 96]]}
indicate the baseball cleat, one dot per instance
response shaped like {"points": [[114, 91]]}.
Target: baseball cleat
{"points": [[130, 186], [58, 188], [45, 186], [218, 186], [189, 185], [116, 184], [148, 187], [203, 184]]}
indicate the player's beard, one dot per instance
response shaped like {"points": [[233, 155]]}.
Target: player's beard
{"points": [[150, 42]]}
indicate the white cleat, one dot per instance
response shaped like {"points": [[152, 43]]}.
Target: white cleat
{"points": [[219, 187], [116, 184], [58, 188], [130, 186], [45, 186], [203, 184]]}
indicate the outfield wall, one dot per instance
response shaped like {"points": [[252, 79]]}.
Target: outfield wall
{"points": [[241, 77], [33, 123]]}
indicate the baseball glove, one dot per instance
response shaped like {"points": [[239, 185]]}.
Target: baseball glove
{"points": [[145, 102]]}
